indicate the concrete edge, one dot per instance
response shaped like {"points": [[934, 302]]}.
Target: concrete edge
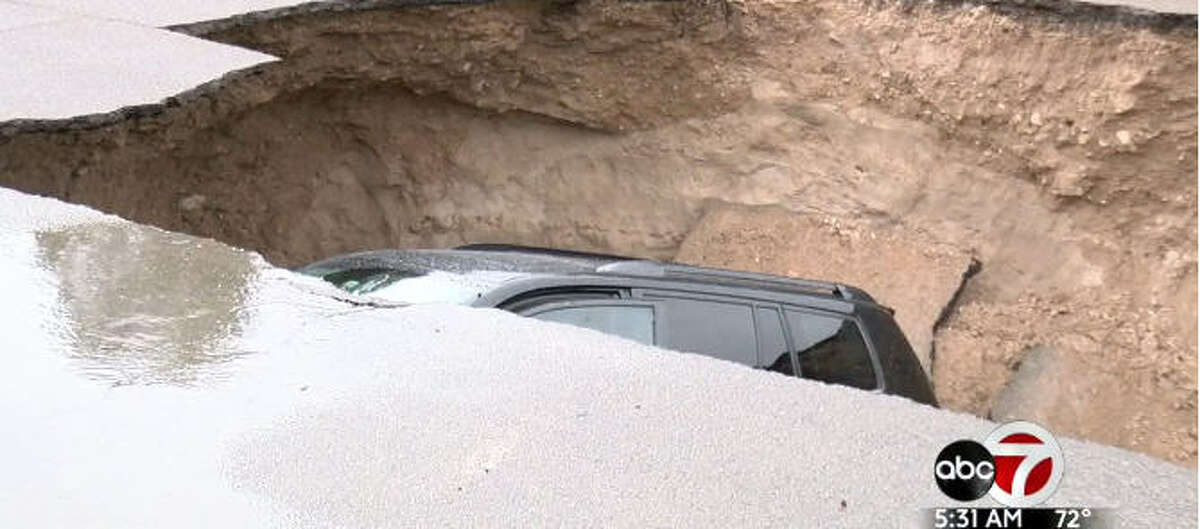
{"points": [[14, 127]]}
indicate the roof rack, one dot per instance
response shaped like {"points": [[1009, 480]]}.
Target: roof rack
{"points": [[646, 268], [631, 266], [555, 252]]}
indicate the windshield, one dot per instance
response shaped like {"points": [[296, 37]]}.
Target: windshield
{"points": [[436, 276], [366, 280], [433, 286]]}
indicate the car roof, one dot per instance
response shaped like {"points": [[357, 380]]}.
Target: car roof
{"points": [[542, 262], [464, 260], [648, 268]]}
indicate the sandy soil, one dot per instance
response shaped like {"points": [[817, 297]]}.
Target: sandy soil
{"points": [[774, 240], [1057, 149]]}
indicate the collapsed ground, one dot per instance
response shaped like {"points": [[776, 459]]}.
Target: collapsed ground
{"points": [[1018, 183]]}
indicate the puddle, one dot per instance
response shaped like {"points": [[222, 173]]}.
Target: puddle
{"points": [[143, 306]]}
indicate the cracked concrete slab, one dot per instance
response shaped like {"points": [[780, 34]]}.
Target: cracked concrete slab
{"points": [[159, 13], [269, 404], [60, 68]]}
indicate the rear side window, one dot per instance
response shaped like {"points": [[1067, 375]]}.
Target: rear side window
{"points": [[635, 322], [831, 349], [711, 328], [902, 372]]}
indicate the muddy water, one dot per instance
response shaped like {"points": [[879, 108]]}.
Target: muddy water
{"points": [[144, 306]]}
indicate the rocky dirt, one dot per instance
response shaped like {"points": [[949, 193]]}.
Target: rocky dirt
{"points": [[1055, 147], [773, 240]]}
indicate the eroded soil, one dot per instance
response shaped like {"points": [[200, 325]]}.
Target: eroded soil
{"points": [[1058, 150]]}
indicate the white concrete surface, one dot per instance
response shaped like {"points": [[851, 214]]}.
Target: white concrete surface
{"points": [[160, 13], [15, 16], [78, 66], [137, 393], [56, 65], [1162, 6]]}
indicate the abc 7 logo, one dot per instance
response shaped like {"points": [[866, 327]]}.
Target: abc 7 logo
{"points": [[1019, 463]]}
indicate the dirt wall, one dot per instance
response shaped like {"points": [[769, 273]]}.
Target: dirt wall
{"points": [[1057, 149]]}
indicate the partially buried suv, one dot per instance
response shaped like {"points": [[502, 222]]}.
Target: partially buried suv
{"points": [[822, 331]]}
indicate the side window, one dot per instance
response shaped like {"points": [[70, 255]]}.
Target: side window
{"points": [[831, 349], [711, 328], [772, 347], [635, 322], [526, 301]]}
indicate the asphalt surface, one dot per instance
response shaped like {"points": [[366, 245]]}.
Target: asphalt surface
{"points": [[159, 380]]}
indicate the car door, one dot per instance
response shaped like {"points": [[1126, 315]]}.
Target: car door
{"points": [[708, 325], [635, 320], [735, 330]]}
